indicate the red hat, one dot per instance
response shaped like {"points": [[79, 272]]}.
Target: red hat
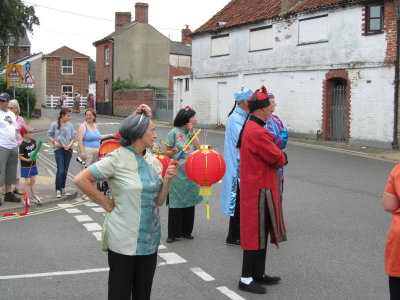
{"points": [[25, 129], [259, 99]]}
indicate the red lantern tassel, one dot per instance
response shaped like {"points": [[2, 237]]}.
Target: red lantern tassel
{"points": [[21, 213]]}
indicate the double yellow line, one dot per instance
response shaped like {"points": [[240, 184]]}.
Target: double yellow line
{"points": [[42, 211]]}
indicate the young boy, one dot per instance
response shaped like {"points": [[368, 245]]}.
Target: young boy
{"points": [[28, 165]]}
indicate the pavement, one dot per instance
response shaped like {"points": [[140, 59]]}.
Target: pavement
{"points": [[45, 185]]}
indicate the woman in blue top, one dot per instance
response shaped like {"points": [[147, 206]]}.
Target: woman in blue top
{"points": [[131, 229], [89, 139]]}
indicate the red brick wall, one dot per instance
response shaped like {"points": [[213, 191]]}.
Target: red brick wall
{"points": [[391, 32], [125, 102], [104, 72], [55, 79], [326, 103], [18, 52]]}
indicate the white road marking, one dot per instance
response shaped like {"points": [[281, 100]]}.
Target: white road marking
{"points": [[83, 218], [97, 235], [72, 210], [91, 204], [203, 275], [35, 275], [64, 205], [172, 258], [51, 173], [92, 226], [231, 294], [98, 209]]}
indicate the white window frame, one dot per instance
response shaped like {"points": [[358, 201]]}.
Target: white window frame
{"points": [[261, 38], [64, 68], [106, 91], [220, 45], [307, 32], [64, 89], [106, 55]]}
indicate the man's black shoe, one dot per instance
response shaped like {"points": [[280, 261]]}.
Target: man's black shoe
{"points": [[233, 243], [9, 197], [265, 279], [170, 240], [188, 236], [252, 287]]}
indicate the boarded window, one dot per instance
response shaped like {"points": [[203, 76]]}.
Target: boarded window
{"points": [[313, 30], [261, 38], [220, 45], [106, 90]]}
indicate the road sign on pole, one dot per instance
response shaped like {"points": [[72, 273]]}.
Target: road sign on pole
{"points": [[27, 66], [14, 75]]}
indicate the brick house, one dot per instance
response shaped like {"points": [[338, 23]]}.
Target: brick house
{"points": [[332, 64], [65, 71], [138, 53], [15, 52]]}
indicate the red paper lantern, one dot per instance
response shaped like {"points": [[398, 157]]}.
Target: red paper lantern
{"points": [[165, 160], [205, 167]]}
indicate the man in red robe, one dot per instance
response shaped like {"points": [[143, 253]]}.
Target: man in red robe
{"points": [[260, 196]]}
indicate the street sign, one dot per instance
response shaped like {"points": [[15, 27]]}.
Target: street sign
{"points": [[14, 75], [27, 66], [27, 80]]}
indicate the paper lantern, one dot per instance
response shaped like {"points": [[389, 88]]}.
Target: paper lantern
{"points": [[165, 160], [205, 167]]}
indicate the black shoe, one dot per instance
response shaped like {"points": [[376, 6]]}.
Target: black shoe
{"points": [[9, 197], [170, 240], [233, 243], [252, 287], [265, 279], [188, 236]]}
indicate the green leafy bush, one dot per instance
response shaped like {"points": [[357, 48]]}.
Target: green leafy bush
{"points": [[22, 95]]}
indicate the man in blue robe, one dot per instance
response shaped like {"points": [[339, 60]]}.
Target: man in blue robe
{"points": [[230, 182]]}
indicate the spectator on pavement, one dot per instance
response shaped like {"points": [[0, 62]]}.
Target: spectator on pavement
{"points": [[391, 203], [61, 134], [13, 105], [8, 148], [29, 169], [89, 140], [230, 194], [131, 232]]}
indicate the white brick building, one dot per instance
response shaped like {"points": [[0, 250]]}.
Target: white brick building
{"points": [[331, 67]]}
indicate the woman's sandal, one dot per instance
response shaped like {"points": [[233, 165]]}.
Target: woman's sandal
{"points": [[18, 192]]}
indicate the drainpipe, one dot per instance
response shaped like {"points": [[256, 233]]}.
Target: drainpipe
{"points": [[396, 81]]}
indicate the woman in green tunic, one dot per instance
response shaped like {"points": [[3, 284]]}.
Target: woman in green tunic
{"points": [[183, 194]]}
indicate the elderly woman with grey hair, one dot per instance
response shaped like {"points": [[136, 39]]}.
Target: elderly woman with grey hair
{"points": [[132, 229], [13, 105]]}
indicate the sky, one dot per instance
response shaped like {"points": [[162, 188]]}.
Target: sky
{"points": [[78, 23]]}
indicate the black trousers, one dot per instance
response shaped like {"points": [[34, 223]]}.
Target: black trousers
{"points": [[254, 260], [394, 288], [130, 277], [180, 221], [234, 221]]}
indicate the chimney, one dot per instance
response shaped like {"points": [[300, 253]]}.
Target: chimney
{"points": [[288, 5], [121, 19], [186, 35], [142, 12]]}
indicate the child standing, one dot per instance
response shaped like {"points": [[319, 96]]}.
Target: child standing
{"points": [[28, 166]]}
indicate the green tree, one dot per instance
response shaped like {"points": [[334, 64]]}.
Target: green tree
{"points": [[15, 19], [92, 71]]}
